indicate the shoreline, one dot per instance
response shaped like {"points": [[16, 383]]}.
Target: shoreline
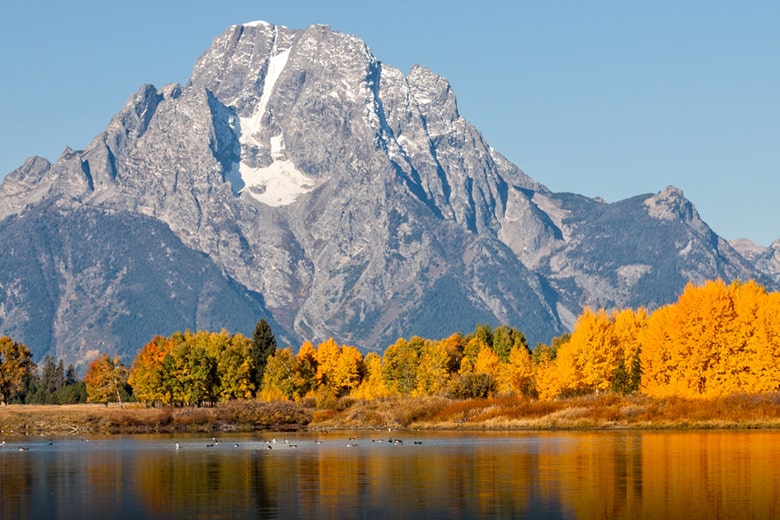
{"points": [[607, 412]]}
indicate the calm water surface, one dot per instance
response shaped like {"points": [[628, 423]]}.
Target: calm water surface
{"points": [[686, 475]]}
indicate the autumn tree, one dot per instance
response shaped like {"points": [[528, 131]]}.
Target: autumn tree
{"points": [[506, 338], [474, 345], [401, 363], [516, 376], [487, 362], [16, 368], [715, 339], [234, 365], [373, 385], [147, 374], [349, 370], [106, 380], [328, 353], [305, 370], [190, 373], [547, 379], [279, 381], [549, 351], [601, 347], [434, 370]]}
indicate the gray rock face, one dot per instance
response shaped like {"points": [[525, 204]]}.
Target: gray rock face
{"points": [[764, 259], [355, 199]]}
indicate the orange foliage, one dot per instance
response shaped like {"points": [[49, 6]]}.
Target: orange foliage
{"points": [[716, 339]]}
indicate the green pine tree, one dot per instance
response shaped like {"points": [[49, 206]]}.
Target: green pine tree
{"points": [[263, 347]]}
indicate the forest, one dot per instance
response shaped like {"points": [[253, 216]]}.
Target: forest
{"points": [[716, 340]]}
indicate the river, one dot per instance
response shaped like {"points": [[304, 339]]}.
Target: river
{"points": [[578, 475]]}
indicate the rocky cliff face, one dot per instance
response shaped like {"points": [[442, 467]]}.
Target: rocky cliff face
{"points": [[335, 195], [764, 259]]}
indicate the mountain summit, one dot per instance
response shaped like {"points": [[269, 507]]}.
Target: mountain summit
{"points": [[297, 178]]}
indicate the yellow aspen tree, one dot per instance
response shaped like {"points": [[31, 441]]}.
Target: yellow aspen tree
{"points": [[628, 325], [590, 357], [547, 378], [373, 385], [433, 374], [328, 353], [740, 353], [707, 320], [768, 343], [278, 379], [751, 365], [516, 376], [454, 345], [235, 367], [466, 366], [487, 362], [658, 356], [598, 351], [306, 371], [349, 370], [401, 363], [694, 347]]}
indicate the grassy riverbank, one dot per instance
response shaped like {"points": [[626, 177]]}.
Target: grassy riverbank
{"points": [[503, 413]]}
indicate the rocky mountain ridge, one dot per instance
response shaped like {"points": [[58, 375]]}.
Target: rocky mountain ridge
{"points": [[338, 197]]}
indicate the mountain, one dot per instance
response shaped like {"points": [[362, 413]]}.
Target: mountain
{"points": [[764, 259], [295, 177]]}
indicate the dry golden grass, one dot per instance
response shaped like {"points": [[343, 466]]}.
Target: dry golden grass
{"points": [[605, 410], [93, 418], [500, 413]]}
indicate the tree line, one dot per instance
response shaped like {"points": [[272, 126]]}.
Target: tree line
{"points": [[21, 380], [715, 339]]}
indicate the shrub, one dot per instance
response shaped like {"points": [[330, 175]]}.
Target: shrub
{"points": [[470, 386]]}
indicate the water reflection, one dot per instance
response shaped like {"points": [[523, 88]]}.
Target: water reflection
{"points": [[549, 475]]}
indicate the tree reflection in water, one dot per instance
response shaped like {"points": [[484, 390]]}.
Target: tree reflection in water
{"points": [[718, 474]]}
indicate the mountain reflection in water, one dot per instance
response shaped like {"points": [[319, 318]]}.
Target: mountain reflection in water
{"points": [[713, 474]]}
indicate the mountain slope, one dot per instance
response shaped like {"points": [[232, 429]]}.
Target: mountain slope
{"points": [[74, 282], [355, 199]]}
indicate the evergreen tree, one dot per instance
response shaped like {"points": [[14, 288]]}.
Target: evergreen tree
{"points": [[621, 380], [635, 371], [263, 346], [70, 375]]}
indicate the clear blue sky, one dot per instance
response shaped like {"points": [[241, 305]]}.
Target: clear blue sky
{"points": [[609, 99]]}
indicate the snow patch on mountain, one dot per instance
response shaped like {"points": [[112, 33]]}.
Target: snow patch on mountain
{"points": [[276, 64], [281, 182], [277, 184], [257, 23]]}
